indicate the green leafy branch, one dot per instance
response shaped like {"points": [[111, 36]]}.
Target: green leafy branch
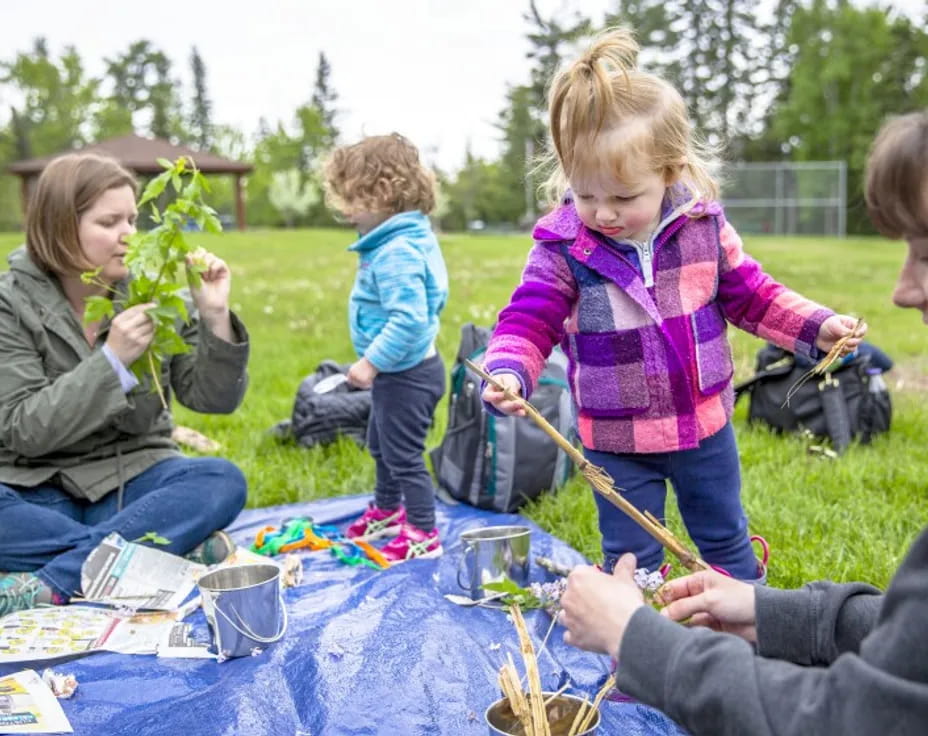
{"points": [[515, 594], [157, 262]]}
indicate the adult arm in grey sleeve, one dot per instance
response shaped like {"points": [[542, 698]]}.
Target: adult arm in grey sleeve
{"points": [[714, 683], [43, 411], [817, 623]]}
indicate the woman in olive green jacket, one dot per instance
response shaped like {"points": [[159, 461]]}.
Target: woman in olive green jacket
{"points": [[85, 450]]}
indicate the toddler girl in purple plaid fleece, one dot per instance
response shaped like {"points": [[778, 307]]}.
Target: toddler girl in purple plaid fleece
{"points": [[636, 273]]}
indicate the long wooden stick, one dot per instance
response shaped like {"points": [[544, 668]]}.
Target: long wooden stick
{"points": [[600, 480]]}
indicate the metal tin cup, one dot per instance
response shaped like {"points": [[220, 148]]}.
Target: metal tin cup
{"points": [[561, 712], [492, 554], [244, 608]]}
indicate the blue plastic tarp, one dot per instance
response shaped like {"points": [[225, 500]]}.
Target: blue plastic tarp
{"points": [[366, 652]]}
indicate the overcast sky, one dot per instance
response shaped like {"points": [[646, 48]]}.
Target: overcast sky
{"points": [[435, 70]]}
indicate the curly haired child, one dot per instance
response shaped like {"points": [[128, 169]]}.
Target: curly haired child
{"points": [[401, 287]]}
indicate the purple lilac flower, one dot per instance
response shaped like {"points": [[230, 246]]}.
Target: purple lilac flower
{"points": [[649, 581], [548, 593]]}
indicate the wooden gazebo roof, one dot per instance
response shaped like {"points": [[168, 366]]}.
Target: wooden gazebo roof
{"points": [[141, 156]]}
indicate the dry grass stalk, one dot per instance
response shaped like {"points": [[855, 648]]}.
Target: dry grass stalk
{"points": [[531, 708], [511, 686], [579, 718], [600, 480], [535, 697], [819, 369], [588, 718], [559, 692]]}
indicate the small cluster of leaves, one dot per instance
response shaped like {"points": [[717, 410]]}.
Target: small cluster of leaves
{"points": [[154, 538], [515, 594], [157, 262]]}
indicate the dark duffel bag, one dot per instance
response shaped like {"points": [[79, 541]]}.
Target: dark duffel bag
{"points": [[849, 402]]}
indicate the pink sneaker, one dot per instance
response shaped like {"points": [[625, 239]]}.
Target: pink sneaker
{"points": [[413, 542], [762, 563], [376, 523]]}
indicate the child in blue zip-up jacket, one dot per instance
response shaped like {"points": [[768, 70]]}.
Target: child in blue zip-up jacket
{"points": [[381, 187]]}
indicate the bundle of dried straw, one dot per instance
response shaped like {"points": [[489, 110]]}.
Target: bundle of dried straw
{"points": [[838, 350], [531, 708]]}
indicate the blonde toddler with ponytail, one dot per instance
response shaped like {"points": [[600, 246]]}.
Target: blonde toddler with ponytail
{"points": [[636, 273]]}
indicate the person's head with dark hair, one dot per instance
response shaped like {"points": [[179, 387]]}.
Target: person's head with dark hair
{"points": [[896, 191], [82, 209]]}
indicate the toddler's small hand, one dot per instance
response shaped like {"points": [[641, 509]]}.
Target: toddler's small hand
{"points": [[362, 373], [497, 398], [836, 327]]}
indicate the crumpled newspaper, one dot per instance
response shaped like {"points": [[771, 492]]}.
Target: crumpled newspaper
{"points": [[292, 573], [63, 686], [194, 440]]}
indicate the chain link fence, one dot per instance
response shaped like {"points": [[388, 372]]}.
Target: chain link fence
{"points": [[787, 198]]}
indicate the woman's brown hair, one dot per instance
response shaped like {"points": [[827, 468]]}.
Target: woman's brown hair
{"points": [[67, 188], [896, 187]]}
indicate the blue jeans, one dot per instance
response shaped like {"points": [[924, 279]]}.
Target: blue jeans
{"points": [[707, 481], [402, 406], [48, 531]]}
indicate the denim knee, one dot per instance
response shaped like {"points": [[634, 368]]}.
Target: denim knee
{"points": [[8, 496], [225, 484], [234, 485]]}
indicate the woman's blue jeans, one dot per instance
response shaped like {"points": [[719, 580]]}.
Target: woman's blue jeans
{"points": [[47, 531]]}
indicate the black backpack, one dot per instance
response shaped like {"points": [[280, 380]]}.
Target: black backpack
{"points": [[325, 407], [849, 402], [501, 462]]}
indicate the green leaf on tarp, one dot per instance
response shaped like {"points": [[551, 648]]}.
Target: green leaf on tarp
{"points": [[154, 538]]}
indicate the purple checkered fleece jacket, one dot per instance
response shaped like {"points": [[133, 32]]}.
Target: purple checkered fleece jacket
{"points": [[650, 366]]}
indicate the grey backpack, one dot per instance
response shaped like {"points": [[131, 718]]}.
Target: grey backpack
{"points": [[495, 462]]}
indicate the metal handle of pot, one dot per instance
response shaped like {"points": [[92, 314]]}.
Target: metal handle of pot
{"points": [[249, 633], [468, 549]]}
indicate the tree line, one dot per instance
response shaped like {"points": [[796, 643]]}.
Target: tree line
{"points": [[806, 80]]}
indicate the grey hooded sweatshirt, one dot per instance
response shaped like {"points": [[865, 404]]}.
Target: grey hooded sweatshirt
{"points": [[831, 659]]}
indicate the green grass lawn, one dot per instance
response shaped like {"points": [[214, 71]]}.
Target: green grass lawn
{"points": [[850, 519]]}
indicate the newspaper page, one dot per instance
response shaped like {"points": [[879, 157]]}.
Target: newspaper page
{"points": [[121, 573], [158, 634], [27, 705], [49, 633], [64, 631]]}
